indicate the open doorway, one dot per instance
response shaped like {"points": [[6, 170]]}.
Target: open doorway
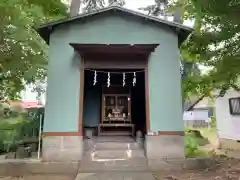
{"points": [[129, 97]]}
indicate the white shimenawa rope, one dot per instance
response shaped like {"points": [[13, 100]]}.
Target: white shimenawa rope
{"points": [[124, 78], [95, 78], [108, 80], [134, 79]]}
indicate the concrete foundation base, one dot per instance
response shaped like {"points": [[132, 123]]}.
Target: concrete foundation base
{"points": [[164, 147], [62, 148]]}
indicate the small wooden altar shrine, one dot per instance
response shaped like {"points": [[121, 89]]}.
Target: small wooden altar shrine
{"points": [[116, 111]]}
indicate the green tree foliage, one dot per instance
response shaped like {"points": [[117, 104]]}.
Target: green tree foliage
{"points": [[116, 2], [91, 5], [190, 77], [156, 9], [190, 71], [215, 42], [23, 54]]}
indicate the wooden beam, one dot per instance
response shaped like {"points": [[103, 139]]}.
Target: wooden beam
{"points": [[81, 99], [147, 101], [114, 48]]}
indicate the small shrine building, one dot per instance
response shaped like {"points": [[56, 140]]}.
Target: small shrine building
{"points": [[114, 71]]}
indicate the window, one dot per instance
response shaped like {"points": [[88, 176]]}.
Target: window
{"points": [[234, 106]]}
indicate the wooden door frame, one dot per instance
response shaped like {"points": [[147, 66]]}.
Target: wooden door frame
{"points": [[81, 95], [147, 105], [81, 98]]}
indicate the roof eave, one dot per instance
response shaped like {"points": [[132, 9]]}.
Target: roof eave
{"points": [[44, 33], [183, 31]]}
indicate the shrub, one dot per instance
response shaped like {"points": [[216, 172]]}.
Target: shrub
{"points": [[33, 113], [192, 148], [193, 140], [196, 133], [16, 109], [7, 112], [4, 109], [1, 110], [213, 121], [15, 130], [8, 135]]}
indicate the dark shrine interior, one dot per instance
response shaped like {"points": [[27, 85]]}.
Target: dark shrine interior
{"points": [[137, 94]]}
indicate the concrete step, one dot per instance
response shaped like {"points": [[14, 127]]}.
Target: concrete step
{"points": [[114, 139], [115, 154], [117, 146], [90, 145], [116, 176], [134, 164]]}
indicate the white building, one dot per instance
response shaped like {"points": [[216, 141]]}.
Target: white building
{"points": [[28, 94], [227, 111], [199, 115]]}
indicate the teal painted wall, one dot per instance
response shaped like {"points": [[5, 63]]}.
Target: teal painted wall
{"points": [[62, 103], [64, 78], [165, 88]]}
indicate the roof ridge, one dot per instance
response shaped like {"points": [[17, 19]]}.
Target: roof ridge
{"points": [[121, 9]]}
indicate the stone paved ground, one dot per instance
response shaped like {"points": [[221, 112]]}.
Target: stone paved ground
{"points": [[88, 176], [105, 159], [227, 169], [114, 160], [104, 167], [116, 176]]}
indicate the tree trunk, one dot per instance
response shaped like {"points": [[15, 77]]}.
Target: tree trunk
{"points": [[75, 7], [177, 15]]}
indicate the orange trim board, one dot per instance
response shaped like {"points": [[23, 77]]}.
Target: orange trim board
{"points": [[62, 134]]}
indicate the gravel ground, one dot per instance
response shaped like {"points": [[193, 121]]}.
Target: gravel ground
{"points": [[225, 169]]}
